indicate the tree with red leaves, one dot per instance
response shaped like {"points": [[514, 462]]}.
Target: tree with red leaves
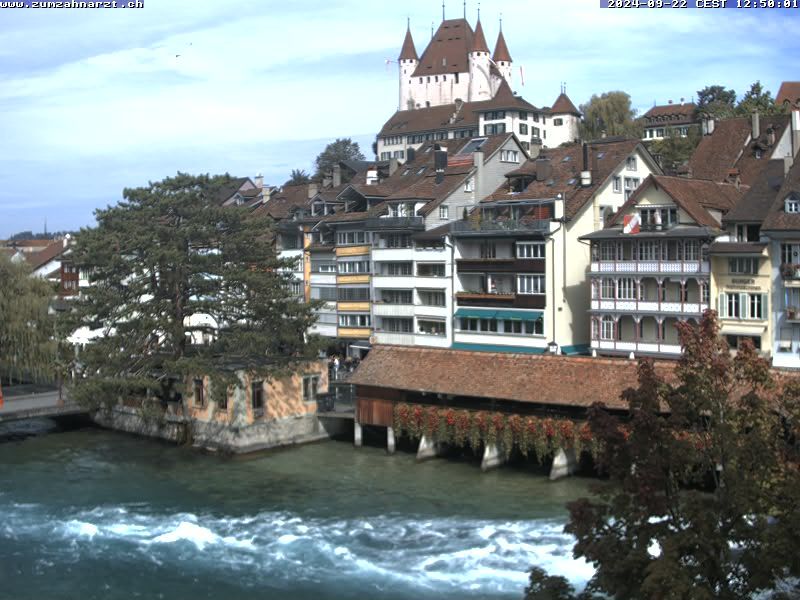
{"points": [[704, 482]]}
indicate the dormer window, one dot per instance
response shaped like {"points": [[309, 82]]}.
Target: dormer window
{"points": [[792, 205], [630, 163]]}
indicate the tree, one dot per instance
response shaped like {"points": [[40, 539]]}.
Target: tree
{"points": [[757, 99], [610, 114], [27, 347], [704, 498], [341, 149], [179, 287], [716, 101], [675, 150], [299, 177]]}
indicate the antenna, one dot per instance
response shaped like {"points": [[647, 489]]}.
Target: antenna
{"points": [[465, 9], [501, 22], [443, 17], [479, 11], [431, 29]]}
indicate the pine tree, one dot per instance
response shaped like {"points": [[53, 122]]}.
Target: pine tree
{"points": [[179, 287]]}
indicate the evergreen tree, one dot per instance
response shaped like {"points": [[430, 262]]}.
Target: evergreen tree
{"points": [[181, 286], [758, 99], [610, 114], [341, 149], [27, 347], [704, 500], [716, 101], [298, 177]]}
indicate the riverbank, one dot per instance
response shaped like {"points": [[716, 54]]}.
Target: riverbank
{"points": [[90, 511]]}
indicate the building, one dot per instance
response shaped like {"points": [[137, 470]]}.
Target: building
{"points": [[789, 95], [520, 282], [670, 119], [650, 265]]}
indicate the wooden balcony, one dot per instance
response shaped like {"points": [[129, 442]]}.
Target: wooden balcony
{"points": [[500, 265], [512, 300]]}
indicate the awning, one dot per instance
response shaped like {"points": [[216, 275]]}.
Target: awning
{"points": [[476, 313], [519, 315]]}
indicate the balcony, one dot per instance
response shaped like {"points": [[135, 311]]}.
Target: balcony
{"points": [[635, 306], [490, 228], [692, 267], [500, 265], [790, 272], [637, 347], [401, 223], [792, 315], [501, 300]]}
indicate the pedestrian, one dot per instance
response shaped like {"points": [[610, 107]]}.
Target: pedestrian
{"points": [[336, 367]]}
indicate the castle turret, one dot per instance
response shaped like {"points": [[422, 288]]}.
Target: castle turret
{"points": [[502, 57], [480, 87], [407, 64]]}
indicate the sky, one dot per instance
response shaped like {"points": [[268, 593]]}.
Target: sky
{"points": [[96, 100]]}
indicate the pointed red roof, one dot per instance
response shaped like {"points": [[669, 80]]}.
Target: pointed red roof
{"points": [[408, 52], [564, 106], [501, 52], [479, 40]]}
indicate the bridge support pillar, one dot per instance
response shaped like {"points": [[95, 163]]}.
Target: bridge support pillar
{"points": [[493, 457], [390, 441], [564, 464], [357, 439], [428, 449]]}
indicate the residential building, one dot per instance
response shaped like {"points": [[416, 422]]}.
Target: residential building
{"points": [[670, 119], [650, 265], [521, 281], [789, 95]]}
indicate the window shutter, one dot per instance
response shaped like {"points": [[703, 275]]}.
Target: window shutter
{"points": [[722, 306], [764, 312], [744, 306]]}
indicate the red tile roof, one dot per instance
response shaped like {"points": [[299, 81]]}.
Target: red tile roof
{"points": [[408, 51], [39, 259], [789, 92], [281, 205], [536, 379], [685, 110], [501, 52], [564, 106], [777, 218], [448, 51], [479, 40]]}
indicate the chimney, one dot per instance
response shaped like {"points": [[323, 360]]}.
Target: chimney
{"points": [[586, 174], [708, 124], [478, 161], [439, 162], [313, 188], [337, 175], [411, 154], [259, 181], [394, 164], [756, 120], [372, 175], [543, 169]]}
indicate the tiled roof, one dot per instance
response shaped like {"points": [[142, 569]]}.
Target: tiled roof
{"points": [[229, 189], [737, 248], [536, 379], [777, 218], [566, 164], [756, 202], [408, 51], [501, 52], [730, 147], [685, 111], [564, 106], [452, 116], [39, 259], [789, 92], [479, 40], [283, 202], [695, 196], [448, 50]]}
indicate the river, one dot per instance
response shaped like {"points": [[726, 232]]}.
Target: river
{"points": [[90, 514]]}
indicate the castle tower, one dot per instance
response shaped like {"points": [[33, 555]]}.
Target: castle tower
{"points": [[407, 64], [502, 57], [480, 86]]}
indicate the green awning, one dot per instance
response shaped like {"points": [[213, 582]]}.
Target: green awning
{"points": [[518, 315], [476, 313]]}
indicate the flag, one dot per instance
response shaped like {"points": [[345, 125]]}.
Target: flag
{"points": [[631, 223]]}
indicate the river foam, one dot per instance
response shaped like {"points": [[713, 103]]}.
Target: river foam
{"points": [[426, 554]]}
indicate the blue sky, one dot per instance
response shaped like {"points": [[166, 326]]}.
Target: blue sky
{"points": [[95, 100]]}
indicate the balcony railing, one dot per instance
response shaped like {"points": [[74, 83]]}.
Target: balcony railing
{"points": [[501, 300], [651, 266], [475, 227], [396, 223], [790, 271], [644, 347], [634, 306], [500, 265]]}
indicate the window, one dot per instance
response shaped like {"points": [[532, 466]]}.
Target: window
{"points": [[748, 233], [523, 128], [397, 240], [792, 205], [480, 325], [743, 266], [691, 251], [558, 122], [310, 387], [790, 254], [756, 306], [536, 132], [397, 296], [649, 250], [743, 306], [523, 116], [495, 115], [617, 185], [517, 327], [428, 327], [631, 183], [630, 163], [509, 156], [353, 320], [199, 393], [432, 298], [488, 250], [430, 270], [530, 284], [663, 217], [607, 289], [386, 155], [296, 288], [397, 325], [626, 289], [444, 212], [495, 129], [403, 268], [347, 294], [323, 267], [607, 328], [257, 398], [324, 293], [469, 185], [530, 250], [361, 266], [351, 238], [608, 251]]}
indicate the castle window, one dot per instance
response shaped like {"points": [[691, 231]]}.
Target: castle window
{"points": [[429, 79], [436, 78], [444, 77], [523, 116], [558, 122], [523, 129], [456, 77]]}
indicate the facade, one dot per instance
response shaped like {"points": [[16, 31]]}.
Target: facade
{"points": [[670, 119], [650, 265]]}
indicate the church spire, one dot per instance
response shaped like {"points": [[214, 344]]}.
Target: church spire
{"points": [[479, 40], [408, 52], [501, 53]]}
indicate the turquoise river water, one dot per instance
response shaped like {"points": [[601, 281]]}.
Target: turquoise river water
{"points": [[95, 514]]}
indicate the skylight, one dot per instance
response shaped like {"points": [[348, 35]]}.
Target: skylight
{"points": [[473, 146]]}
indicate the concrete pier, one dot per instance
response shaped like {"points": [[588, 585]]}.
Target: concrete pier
{"points": [[493, 457], [428, 449], [564, 464], [357, 439], [390, 441]]}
